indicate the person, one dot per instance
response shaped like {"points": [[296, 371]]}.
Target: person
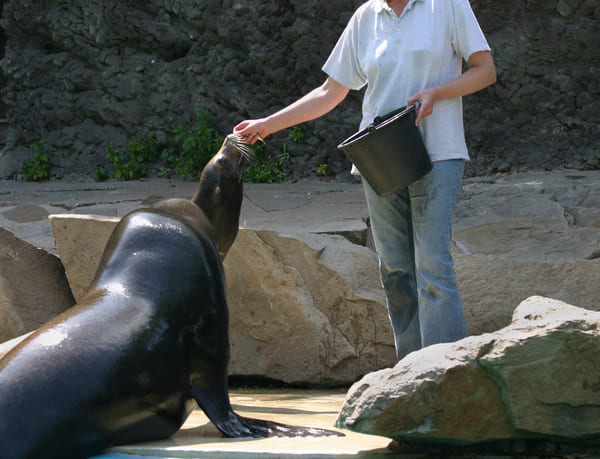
{"points": [[408, 52]]}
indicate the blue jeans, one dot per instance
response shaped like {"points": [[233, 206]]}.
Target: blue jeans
{"points": [[412, 230]]}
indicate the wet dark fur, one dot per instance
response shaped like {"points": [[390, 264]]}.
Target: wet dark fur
{"points": [[147, 342]]}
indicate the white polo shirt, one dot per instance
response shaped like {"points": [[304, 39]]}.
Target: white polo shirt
{"points": [[396, 57]]}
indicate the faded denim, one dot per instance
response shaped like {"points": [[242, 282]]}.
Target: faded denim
{"points": [[412, 230]]}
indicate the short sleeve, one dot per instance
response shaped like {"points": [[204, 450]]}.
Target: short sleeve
{"points": [[467, 36], [343, 64]]}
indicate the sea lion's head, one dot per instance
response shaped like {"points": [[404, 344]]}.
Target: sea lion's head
{"points": [[220, 191]]}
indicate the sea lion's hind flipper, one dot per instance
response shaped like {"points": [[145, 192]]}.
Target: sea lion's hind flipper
{"points": [[276, 429]]}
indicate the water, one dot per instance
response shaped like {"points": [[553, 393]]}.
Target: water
{"points": [[198, 438]]}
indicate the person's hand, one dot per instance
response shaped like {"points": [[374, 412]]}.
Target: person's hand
{"points": [[251, 131], [425, 98]]}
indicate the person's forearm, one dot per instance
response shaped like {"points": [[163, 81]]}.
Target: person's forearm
{"points": [[313, 105], [481, 74], [316, 103]]}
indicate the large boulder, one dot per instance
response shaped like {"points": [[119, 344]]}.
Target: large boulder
{"points": [[536, 378], [33, 286], [6, 346], [80, 242], [305, 310]]}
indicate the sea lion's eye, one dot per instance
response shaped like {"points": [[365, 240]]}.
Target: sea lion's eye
{"points": [[223, 161]]}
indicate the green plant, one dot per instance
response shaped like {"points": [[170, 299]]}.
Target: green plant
{"points": [[297, 135], [139, 153], [192, 148], [100, 174], [187, 154], [169, 157], [266, 167], [119, 168], [38, 170], [322, 169], [145, 150], [142, 152]]}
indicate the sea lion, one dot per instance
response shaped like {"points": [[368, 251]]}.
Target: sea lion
{"points": [[147, 341]]}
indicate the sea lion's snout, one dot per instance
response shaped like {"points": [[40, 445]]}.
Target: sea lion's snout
{"points": [[233, 156]]}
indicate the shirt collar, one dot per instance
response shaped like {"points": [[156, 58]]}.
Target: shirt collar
{"points": [[382, 5]]}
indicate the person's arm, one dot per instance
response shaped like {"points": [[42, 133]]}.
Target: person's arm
{"points": [[481, 74], [316, 103]]}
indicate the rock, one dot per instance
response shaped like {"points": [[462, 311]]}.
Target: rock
{"points": [[10, 162], [491, 286], [8, 345], [567, 7], [80, 242], [33, 286], [536, 378], [525, 234], [305, 310], [309, 306], [547, 370], [531, 240], [25, 214]]}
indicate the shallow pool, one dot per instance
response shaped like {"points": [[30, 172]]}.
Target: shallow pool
{"points": [[199, 438]]}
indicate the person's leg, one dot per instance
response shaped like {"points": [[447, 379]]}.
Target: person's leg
{"points": [[392, 234], [432, 203]]}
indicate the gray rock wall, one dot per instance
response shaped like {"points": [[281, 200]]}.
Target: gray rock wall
{"points": [[86, 74]]}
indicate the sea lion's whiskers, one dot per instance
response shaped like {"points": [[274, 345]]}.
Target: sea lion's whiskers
{"points": [[238, 142]]}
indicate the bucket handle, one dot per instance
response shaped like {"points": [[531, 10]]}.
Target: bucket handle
{"points": [[380, 119]]}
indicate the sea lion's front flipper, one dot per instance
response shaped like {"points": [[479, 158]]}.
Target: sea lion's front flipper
{"points": [[218, 409], [275, 429], [215, 404]]}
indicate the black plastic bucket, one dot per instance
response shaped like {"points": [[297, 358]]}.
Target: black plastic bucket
{"points": [[389, 153]]}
